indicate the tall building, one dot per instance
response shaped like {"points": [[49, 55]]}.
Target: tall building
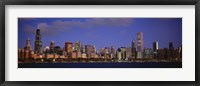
{"points": [[128, 52], [77, 45], [155, 49], [171, 47], [113, 52], [107, 52], [171, 51], [140, 45], [102, 52], [140, 41], [52, 45], [68, 47], [82, 48], [123, 52], [133, 50], [28, 44], [119, 54], [38, 42], [90, 49]]}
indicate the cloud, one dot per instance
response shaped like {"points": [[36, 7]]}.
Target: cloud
{"points": [[54, 27]]}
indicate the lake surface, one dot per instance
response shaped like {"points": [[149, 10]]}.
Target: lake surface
{"points": [[103, 65]]}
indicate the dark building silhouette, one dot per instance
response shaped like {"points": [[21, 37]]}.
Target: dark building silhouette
{"points": [[133, 49], [171, 47], [58, 50], [171, 51], [38, 42], [155, 49], [52, 45]]}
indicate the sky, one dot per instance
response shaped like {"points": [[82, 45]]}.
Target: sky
{"points": [[101, 32]]}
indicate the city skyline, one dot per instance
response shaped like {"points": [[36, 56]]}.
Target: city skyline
{"points": [[101, 32]]}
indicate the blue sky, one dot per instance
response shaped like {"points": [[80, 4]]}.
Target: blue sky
{"points": [[101, 32]]}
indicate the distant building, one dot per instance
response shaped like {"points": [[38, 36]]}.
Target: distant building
{"points": [[133, 51], [78, 54], [148, 53], [77, 45], [123, 52], [140, 41], [83, 55], [38, 42], [155, 49], [119, 54], [28, 44], [102, 52], [113, 52], [58, 50], [171, 51], [68, 47], [73, 54], [128, 52], [140, 45], [52, 45], [107, 52], [90, 49], [19, 54], [171, 47]]}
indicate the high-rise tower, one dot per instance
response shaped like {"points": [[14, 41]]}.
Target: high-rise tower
{"points": [[38, 42], [140, 45], [140, 41], [68, 47], [52, 46], [133, 49], [155, 49], [171, 47], [28, 44]]}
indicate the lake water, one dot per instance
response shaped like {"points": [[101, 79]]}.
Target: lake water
{"points": [[103, 65]]}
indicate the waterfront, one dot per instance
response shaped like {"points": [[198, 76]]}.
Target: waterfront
{"points": [[103, 65]]}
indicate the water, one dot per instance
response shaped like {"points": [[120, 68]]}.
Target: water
{"points": [[103, 65]]}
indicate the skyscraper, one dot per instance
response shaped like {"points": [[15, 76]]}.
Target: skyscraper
{"points": [[77, 45], [133, 50], [171, 51], [140, 41], [90, 49], [28, 44], [52, 45], [140, 45], [155, 49], [68, 47], [171, 47], [113, 52], [38, 42]]}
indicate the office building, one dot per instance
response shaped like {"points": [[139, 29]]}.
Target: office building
{"points": [[68, 47], [38, 42], [28, 44], [133, 50], [90, 49], [140, 45], [52, 45], [155, 49]]}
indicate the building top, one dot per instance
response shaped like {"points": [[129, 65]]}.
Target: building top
{"points": [[68, 43]]}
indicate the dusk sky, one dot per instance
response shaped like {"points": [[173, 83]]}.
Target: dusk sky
{"points": [[101, 32]]}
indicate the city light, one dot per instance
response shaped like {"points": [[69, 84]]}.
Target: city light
{"points": [[78, 53]]}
